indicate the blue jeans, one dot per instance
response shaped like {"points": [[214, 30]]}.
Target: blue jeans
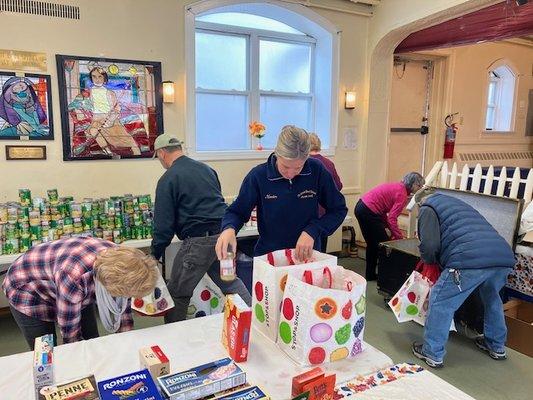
{"points": [[447, 296]]}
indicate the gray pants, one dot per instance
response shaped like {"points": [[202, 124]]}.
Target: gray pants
{"points": [[195, 258]]}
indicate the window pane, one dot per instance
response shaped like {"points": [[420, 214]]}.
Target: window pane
{"points": [[220, 61], [284, 67], [248, 21], [277, 112], [492, 93], [221, 122], [489, 124]]}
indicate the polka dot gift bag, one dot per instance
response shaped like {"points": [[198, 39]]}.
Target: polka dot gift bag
{"points": [[410, 301], [207, 299], [156, 303], [323, 316], [270, 273]]}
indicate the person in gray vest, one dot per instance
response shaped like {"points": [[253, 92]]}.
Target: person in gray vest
{"points": [[189, 204], [471, 254]]}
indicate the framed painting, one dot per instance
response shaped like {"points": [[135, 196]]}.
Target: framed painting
{"points": [[110, 109], [25, 107]]}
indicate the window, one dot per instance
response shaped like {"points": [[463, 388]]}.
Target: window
{"points": [[500, 99], [257, 62]]}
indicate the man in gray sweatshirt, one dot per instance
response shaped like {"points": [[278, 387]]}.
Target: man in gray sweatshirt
{"points": [[188, 204]]}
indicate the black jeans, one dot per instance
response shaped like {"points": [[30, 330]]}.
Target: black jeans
{"points": [[373, 230], [195, 258], [324, 243], [33, 328]]}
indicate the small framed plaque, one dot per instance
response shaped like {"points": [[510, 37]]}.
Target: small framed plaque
{"points": [[25, 152]]}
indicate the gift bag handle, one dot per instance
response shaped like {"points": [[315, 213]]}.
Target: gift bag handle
{"points": [[326, 272], [288, 254]]}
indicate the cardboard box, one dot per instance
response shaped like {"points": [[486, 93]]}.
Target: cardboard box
{"points": [[203, 380], [321, 388], [519, 319], [43, 368], [236, 327], [153, 359], [299, 381], [135, 386], [252, 392], [79, 389]]}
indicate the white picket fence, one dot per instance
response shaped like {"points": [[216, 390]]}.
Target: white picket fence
{"points": [[442, 176]]}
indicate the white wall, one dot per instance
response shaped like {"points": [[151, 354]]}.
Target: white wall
{"points": [[154, 31]]}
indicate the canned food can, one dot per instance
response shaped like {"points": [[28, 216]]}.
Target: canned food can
{"points": [[35, 218], [12, 246], [107, 235], [36, 243], [128, 205], [24, 244], [147, 231], [99, 233], [75, 210], [53, 197], [11, 231], [25, 197], [126, 233], [3, 214], [117, 236], [86, 209], [24, 213], [36, 232], [118, 221], [12, 215]]}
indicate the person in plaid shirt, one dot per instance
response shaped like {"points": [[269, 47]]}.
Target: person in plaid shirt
{"points": [[58, 281]]}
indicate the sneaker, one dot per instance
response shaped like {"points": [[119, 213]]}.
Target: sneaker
{"points": [[417, 351], [496, 355]]}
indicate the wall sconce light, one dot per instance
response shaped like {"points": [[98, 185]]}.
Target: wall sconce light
{"points": [[349, 100], [168, 92]]}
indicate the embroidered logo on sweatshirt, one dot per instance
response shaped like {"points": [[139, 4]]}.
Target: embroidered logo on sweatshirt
{"points": [[307, 194], [271, 197]]}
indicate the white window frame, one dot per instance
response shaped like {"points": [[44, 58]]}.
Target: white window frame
{"points": [[500, 83], [191, 26]]}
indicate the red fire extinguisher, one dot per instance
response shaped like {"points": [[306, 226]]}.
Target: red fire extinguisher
{"points": [[449, 140]]}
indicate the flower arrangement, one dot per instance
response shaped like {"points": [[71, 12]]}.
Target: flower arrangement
{"points": [[257, 130]]}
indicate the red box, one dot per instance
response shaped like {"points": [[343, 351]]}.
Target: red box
{"points": [[299, 381], [236, 328], [321, 388]]}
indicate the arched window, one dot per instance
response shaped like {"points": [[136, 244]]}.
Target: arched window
{"points": [[500, 99], [258, 62]]}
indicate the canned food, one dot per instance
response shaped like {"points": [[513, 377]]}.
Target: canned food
{"points": [[117, 236], [36, 232], [128, 205], [3, 214], [12, 215], [75, 210], [24, 243], [53, 197], [107, 235], [35, 218], [25, 197]]}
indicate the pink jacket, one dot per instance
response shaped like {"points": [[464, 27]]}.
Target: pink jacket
{"points": [[388, 200]]}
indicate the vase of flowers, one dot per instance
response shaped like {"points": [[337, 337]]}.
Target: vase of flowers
{"points": [[257, 130]]}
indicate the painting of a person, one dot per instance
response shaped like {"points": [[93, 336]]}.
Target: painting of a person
{"points": [[97, 114], [21, 109]]}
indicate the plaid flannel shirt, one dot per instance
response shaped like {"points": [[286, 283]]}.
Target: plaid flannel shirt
{"points": [[55, 281]]}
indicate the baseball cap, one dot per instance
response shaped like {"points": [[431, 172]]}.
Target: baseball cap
{"points": [[166, 140]]}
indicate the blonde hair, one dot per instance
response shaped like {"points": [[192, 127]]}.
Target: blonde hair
{"points": [[126, 272], [293, 143], [316, 144]]}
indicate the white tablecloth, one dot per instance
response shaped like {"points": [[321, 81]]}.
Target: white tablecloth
{"points": [[187, 344], [420, 386]]}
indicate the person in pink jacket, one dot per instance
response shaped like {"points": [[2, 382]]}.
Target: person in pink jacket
{"points": [[378, 210]]}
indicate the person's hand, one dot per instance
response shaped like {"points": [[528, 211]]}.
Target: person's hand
{"points": [[304, 247], [226, 238]]}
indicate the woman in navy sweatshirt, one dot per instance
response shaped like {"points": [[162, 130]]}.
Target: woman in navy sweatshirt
{"points": [[287, 191]]}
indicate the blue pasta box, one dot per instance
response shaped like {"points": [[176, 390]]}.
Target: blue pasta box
{"points": [[250, 393], [135, 386], [202, 381]]}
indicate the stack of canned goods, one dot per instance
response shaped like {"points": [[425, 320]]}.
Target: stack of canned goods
{"points": [[32, 221]]}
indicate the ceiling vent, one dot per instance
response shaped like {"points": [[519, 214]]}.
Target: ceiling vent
{"points": [[43, 8]]}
